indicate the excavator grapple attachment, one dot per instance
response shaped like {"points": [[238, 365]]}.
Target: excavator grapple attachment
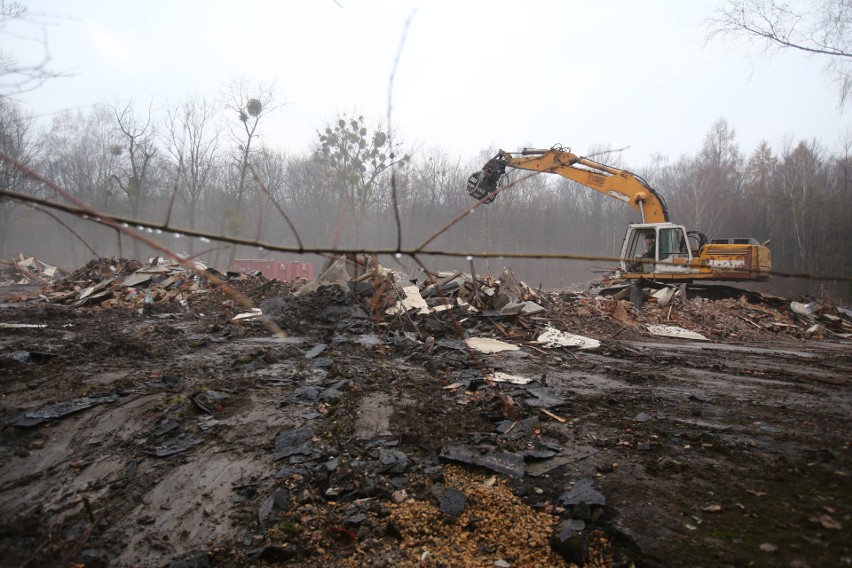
{"points": [[483, 184], [478, 190]]}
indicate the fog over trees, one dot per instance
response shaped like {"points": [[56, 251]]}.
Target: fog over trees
{"points": [[203, 164]]}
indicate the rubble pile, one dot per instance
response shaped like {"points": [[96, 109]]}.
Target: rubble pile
{"points": [[513, 309], [453, 420], [27, 271]]}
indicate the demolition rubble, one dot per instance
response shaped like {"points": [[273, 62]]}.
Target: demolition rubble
{"points": [[165, 414]]}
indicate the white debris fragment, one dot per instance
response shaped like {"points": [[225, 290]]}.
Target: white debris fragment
{"points": [[488, 345], [412, 300], [251, 314], [501, 377], [552, 337], [664, 295], [675, 331]]}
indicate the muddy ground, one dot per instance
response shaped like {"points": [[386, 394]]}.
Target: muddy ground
{"points": [[196, 440]]}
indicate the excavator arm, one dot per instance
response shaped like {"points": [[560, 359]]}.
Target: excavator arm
{"points": [[619, 184]]}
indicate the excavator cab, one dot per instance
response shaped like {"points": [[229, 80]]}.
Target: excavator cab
{"points": [[656, 248]]}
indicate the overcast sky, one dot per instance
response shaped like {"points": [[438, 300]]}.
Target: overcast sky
{"points": [[471, 74]]}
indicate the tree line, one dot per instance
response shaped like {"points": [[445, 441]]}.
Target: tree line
{"points": [[204, 164]]}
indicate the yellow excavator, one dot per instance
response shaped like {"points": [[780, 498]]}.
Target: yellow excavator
{"points": [[654, 249]]}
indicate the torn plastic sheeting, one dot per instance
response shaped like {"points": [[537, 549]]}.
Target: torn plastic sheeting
{"points": [[488, 345], [674, 331], [501, 462], [552, 337]]}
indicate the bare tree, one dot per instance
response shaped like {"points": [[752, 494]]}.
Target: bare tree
{"points": [[358, 159], [80, 155], [802, 185], [192, 142], [251, 102], [816, 27], [710, 183], [138, 149], [18, 77], [17, 139]]}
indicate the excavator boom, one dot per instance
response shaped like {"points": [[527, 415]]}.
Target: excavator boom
{"points": [[619, 184]]}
